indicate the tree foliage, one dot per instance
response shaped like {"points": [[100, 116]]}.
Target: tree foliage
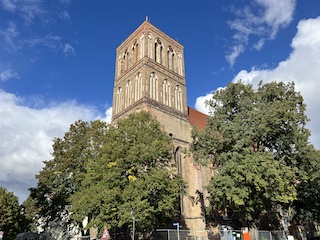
{"points": [[131, 179], [106, 172], [307, 204], [12, 220], [256, 141], [62, 176]]}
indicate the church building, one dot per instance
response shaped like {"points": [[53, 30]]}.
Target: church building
{"points": [[150, 76]]}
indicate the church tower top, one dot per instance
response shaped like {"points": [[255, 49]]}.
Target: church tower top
{"points": [[150, 68]]}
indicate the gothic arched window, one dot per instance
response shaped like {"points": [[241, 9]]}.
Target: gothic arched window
{"points": [[166, 93], [158, 49], [141, 47], [178, 98], [171, 58], [153, 86], [150, 45], [128, 94], [118, 104], [135, 49], [180, 67], [138, 87]]}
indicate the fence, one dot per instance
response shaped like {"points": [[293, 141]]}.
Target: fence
{"points": [[173, 234]]}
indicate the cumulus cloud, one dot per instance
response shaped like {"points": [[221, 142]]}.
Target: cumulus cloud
{"points": [[301, 67], [26, 137], [262, 19], [108, 115]]}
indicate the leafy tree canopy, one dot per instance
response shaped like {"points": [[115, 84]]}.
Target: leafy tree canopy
{"points": [[257, 140], [132, 178], [106, 172], [62, 176], [12, 220]]}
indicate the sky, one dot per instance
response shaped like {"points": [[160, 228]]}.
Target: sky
{"points": [[57, 62]]}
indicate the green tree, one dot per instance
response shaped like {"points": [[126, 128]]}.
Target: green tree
{"points": [[133, 177], [9, 214], [30, 213], [106, 172], [62, 176], [254, 139], [307, 204]]}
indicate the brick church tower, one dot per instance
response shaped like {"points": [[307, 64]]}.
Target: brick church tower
{"points": [[150, 75]]}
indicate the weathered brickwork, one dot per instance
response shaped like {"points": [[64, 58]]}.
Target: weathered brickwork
{"points": [[150, 75]]}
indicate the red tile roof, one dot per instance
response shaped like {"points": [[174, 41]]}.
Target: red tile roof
{"points": [[197, 118]]}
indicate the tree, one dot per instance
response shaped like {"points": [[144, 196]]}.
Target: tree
{"points": [[31, 214], [132, 178], [307, 204], [106, 172], [254, 138], [62, 176], [9, 214]]}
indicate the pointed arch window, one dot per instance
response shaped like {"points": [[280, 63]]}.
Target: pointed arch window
{"points": [[173, 62], [141, 47], [150, 45], [135, 49], [118, 104], [138, 87], [128, 94], [158, 49], [180, 67], [178, 98], [127, 60], [122, 65], [153, 86], [171, 58], [155, 52], [166, 93]]}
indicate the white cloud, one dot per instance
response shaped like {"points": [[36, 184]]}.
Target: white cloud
{"points": [[108, 115], [64, 15], [28, 10], [200, 104], [26, 137], [68, 49], [236, 51], [10, 36], [24, 15], [263, 19], [277, 13], [8, 74], [8, 5], [301, 67]]}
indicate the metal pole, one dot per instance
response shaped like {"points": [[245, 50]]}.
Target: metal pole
{"points": [[178, 231], [133, 229]]}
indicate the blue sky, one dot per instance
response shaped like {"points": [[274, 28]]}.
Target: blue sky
{"points": [[57, 62]]}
